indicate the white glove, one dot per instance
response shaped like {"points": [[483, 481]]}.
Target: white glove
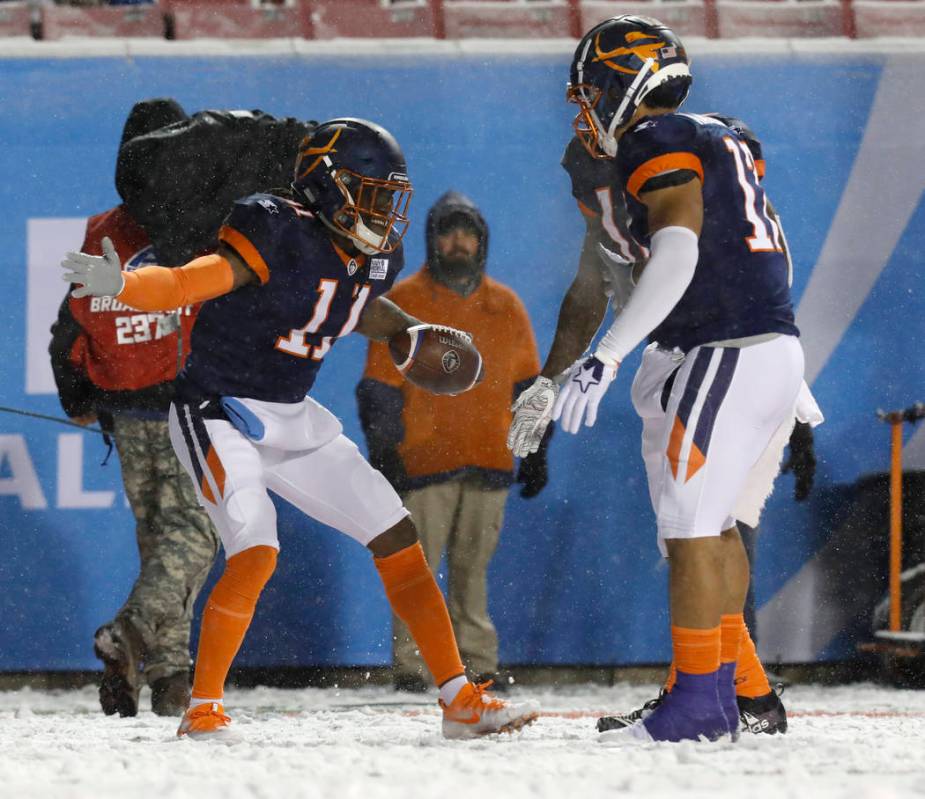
{"points": [[587, 382], [532, 414], [97, 275], [617, 274]]}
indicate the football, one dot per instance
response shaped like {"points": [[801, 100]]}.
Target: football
{"points": [[436, 358]]}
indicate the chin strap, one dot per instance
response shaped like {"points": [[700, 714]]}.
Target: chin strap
{"points": [[362, 235]]}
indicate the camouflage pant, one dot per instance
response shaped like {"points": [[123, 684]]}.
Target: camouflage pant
{"points": [[176, 544], [464, 518]]}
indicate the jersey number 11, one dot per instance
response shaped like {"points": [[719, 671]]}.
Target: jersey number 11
{"points": [[766, 236]]}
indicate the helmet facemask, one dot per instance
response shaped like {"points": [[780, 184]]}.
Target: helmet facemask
{"points": [[375, 212]]}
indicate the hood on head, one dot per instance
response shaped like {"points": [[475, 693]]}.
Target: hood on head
{"points": [[453, 202]]}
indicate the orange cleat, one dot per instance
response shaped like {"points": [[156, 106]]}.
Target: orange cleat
{"points": [[204, 720], [475, 712]]}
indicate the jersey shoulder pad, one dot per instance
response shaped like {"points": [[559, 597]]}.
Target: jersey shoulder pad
{"points": [[587, 174], [745, 133], [662, 133], [260, 215], [259, 207], [575, 158], [254, 229], [657, 145]]}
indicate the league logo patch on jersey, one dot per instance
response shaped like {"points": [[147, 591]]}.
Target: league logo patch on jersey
{"points": [[378, 268], [352, 267]]}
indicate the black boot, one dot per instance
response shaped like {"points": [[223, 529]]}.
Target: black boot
{"points": [[120, 647], [170, 695]]}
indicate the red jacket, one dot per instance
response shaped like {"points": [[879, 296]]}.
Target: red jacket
{"points": [[106, 355]]}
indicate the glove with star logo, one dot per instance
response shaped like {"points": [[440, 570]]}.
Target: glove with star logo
{"points": [[588, 381]]}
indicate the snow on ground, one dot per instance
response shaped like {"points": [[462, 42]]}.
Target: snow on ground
{"points": [[858, 741]]}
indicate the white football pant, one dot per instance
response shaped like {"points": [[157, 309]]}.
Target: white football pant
{"points": [[715, 423], [326, 477]]}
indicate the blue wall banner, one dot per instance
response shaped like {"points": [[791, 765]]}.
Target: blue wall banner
{"points": [[577, 578]]}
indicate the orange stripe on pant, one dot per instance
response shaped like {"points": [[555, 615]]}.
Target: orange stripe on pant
{"points": [[674, 445], [217, 469]]}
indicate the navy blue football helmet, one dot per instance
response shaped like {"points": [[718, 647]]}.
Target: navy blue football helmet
{"points": [[352, 174], [617, 63]]}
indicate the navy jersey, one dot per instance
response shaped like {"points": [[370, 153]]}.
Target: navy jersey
{"points": [[741, 284], [267, 340], [597, 189]]}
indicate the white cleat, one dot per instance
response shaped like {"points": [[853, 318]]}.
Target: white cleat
{"points": [[632, 733], [475, 712]]}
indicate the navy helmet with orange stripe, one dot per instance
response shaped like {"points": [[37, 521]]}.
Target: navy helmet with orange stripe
{"points": [[353, 175], [616, 65]]}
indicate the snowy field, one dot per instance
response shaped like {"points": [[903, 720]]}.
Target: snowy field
{"points": [[855, 741]]}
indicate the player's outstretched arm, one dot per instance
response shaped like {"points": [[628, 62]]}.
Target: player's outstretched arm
{"points": [[156, 288], [382, 319]]}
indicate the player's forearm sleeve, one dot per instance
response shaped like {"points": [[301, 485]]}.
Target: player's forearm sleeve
{"points": [[157, 288], [668, 273]]}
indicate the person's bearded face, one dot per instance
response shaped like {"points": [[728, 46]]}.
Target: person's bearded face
{"points": [[458, 249]]}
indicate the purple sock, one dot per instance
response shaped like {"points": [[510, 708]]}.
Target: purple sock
{"points": [[691, 711], [727, 696]]}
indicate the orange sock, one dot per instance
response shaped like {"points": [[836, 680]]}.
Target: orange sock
{"points": [[731, 627], [750, 679], [227, 616], [417, 601], [696, 651]]}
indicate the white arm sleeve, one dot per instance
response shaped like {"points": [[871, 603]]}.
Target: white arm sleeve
{"points": [[668, 273]]}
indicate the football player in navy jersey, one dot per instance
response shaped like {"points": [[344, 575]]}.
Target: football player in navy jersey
{"points": [[720, 380], [295, 271], [622, 259]]}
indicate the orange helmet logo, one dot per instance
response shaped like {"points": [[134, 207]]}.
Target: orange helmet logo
{"points": [[321, 152], [641, 51]]}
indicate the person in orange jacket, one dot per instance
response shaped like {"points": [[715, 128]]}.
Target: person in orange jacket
{"points": [[447, 455]]}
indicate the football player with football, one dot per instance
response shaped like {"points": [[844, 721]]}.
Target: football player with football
{"points": [[720, 379], [294, 272]]}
